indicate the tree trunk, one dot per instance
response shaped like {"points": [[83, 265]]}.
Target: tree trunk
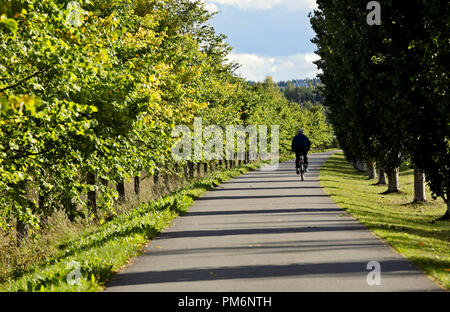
{"points": [[43, 210], [371, 170], [21, 232], [92, 199], [21, 227], [381, 177], [191, 169], [393, 185], [419, 186], [360, 165], [446, 216], [137, 185], [199, 170], [447, 213], [121, 190], [363, 166]]}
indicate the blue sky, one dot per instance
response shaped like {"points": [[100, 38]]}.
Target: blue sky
{"points": [[270, 37]]}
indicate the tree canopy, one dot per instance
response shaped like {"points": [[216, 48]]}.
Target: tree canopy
{"points": [[89, 95]]}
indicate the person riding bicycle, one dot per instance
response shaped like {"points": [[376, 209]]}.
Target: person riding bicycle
{"points": [[301, 146]]}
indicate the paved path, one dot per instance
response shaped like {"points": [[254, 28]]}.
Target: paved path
{"points": [[268, 231]]}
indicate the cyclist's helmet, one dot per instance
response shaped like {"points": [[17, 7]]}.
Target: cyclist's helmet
{"points": [[300, 131]]}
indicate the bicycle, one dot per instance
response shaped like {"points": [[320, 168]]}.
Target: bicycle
{"points": [[302, 168]]}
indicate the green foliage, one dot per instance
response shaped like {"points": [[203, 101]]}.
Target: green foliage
{"points": [[301, 94], [386, 86], [98, 98], [89, 98], [269, 106]]}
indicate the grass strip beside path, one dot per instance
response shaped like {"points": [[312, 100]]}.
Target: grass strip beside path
{"points": [[408, 227]]}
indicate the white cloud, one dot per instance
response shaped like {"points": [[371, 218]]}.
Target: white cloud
{"points": [[256, 67], [211, 7], [267, 4]]}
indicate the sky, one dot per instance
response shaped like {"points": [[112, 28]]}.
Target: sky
{"points": [[269, 37]]}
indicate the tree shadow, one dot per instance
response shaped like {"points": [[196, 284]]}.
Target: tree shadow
{"points": [[332, 269]]}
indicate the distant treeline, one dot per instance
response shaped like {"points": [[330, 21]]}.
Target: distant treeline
{"points": [[300, 90]]}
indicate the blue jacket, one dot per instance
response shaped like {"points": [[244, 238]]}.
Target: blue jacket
{"points": [[301, 140]]}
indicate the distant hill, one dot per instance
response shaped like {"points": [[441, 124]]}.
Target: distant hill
{"points": [[300, 82], [300, 90], [296, 82]]}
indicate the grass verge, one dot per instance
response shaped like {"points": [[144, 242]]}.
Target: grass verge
{"points": [[88, 260], [404, 225]]}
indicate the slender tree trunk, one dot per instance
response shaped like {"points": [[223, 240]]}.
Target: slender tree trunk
{"points": [[371, 170], [447, 213], [393, 183], [21, 232], [92, 199], [446, 216], [137, 185], [419, 186], [363, 166], [191, 169], [120, 187], [360, 165], [381, 177], [21, 227], [43, 209]]}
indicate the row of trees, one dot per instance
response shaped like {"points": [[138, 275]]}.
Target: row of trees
{"points": [[89, 96], [387, 86]]}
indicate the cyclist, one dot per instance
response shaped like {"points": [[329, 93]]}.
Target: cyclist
{"points": [[301, 146]]}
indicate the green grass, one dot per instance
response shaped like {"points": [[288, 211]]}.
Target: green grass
{"points": [[408, 227], [95, 255]]}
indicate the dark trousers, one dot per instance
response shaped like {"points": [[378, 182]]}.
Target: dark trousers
{"points": [[299, 151]]}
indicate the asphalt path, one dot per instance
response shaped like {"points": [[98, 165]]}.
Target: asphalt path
{"points": [[269, 231]]}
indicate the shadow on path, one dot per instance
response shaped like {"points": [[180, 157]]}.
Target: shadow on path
{"points": [[264, 231], [330, 269], [263, 211]]}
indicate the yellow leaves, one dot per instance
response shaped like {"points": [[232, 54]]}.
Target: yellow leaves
{"points": [[102, 56], [155, 96], [17, 104], [114, 35]]}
